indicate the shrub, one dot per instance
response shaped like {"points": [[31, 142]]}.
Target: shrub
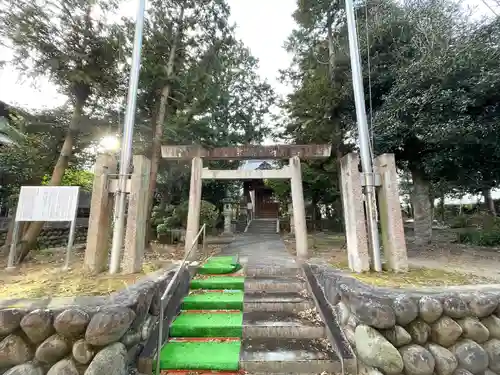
{"points": [[460, 221], [178, 217], [481, 237]]}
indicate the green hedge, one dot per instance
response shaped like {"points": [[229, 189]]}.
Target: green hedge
{"points": [[480, 237]]}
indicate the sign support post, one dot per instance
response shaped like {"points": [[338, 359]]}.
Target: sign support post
{"points": [[71, 238]]}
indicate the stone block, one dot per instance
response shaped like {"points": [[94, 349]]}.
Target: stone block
{"points": [[391, 220], [354, 215], [137, 216]]}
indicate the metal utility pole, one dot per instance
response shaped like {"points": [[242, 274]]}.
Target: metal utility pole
{"points": [[364, 136], [126, 146]]}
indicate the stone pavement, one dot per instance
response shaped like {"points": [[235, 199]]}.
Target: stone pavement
{"points": [[282, 332]]}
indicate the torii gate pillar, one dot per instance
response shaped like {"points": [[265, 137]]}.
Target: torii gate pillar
{"points": [[193, 220], [299, 210]]}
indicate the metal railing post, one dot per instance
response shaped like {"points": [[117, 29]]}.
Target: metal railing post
{"points": [[204, 240], [169, 287], [160, 335]]}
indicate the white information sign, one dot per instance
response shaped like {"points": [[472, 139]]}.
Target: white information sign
{"points": [[47, 203]]}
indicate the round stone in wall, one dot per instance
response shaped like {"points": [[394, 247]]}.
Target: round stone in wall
{"points": [[405, 308], [375, 350], [462, 371], [430, 309], [349, 334], [445, 331], [14, 351], [131, 338], [53, 349], [147, 327], [82, 352], [343, 313], [373, 313], [492, 348], [112, 360], [397, 336], [473, 329], [353, 321], [483, 304], [367, 370], [24, 369], [417, 360], [72, 322], [455, 307], [109, 326], [446, 363], [471, 356], [9, 320], [419, 331], [37, 325], [492, 323], [63, 367]]}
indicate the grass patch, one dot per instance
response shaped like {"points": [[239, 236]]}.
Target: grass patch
{"points": [[42, 275], [331, 247], [415, 277], [37, 281], [419, 277]]}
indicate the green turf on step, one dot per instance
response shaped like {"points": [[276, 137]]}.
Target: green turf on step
{"points": [[218, 356], [214, 268], [214, 301], [228, 259], [207, 325], [220, 265], [219, 282]]}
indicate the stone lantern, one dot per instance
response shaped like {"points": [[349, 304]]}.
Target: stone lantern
{"points": [[228, 211]]}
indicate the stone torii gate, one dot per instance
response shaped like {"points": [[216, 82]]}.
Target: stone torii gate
{"points": [[275, 152]]}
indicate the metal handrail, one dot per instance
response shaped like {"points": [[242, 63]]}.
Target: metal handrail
{"points": [[170, 285]]}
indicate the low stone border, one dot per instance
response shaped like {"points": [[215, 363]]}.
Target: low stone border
{"points": [[334, 332], [441, 331], [82, 335]]}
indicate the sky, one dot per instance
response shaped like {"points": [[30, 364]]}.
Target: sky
{"points": [[263, 25]]}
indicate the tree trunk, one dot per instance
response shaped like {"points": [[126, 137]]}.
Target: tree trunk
{"points": [[158, 130], [490, 203], [338, 135], [4, 250], [29, 238], [442, 207], [422, 208]]}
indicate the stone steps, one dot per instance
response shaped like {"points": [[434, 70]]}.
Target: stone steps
{"points": [[261, 324], [273, 284], [272, 270], [282, 333], [288, 356], [262, 226], [276, 302]]}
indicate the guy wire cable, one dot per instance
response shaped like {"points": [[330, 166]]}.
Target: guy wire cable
{"points": [[369, 79], [489, 7]]}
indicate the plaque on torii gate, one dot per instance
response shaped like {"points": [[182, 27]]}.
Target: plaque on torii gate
{"points": [[294, 153]]}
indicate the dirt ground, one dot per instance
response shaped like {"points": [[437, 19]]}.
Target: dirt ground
{"points": [[43, 275], [443, 262]]}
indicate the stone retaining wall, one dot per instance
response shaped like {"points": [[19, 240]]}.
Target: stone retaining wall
{"points": [[54, 237], [440, 331], [83, 335]]}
